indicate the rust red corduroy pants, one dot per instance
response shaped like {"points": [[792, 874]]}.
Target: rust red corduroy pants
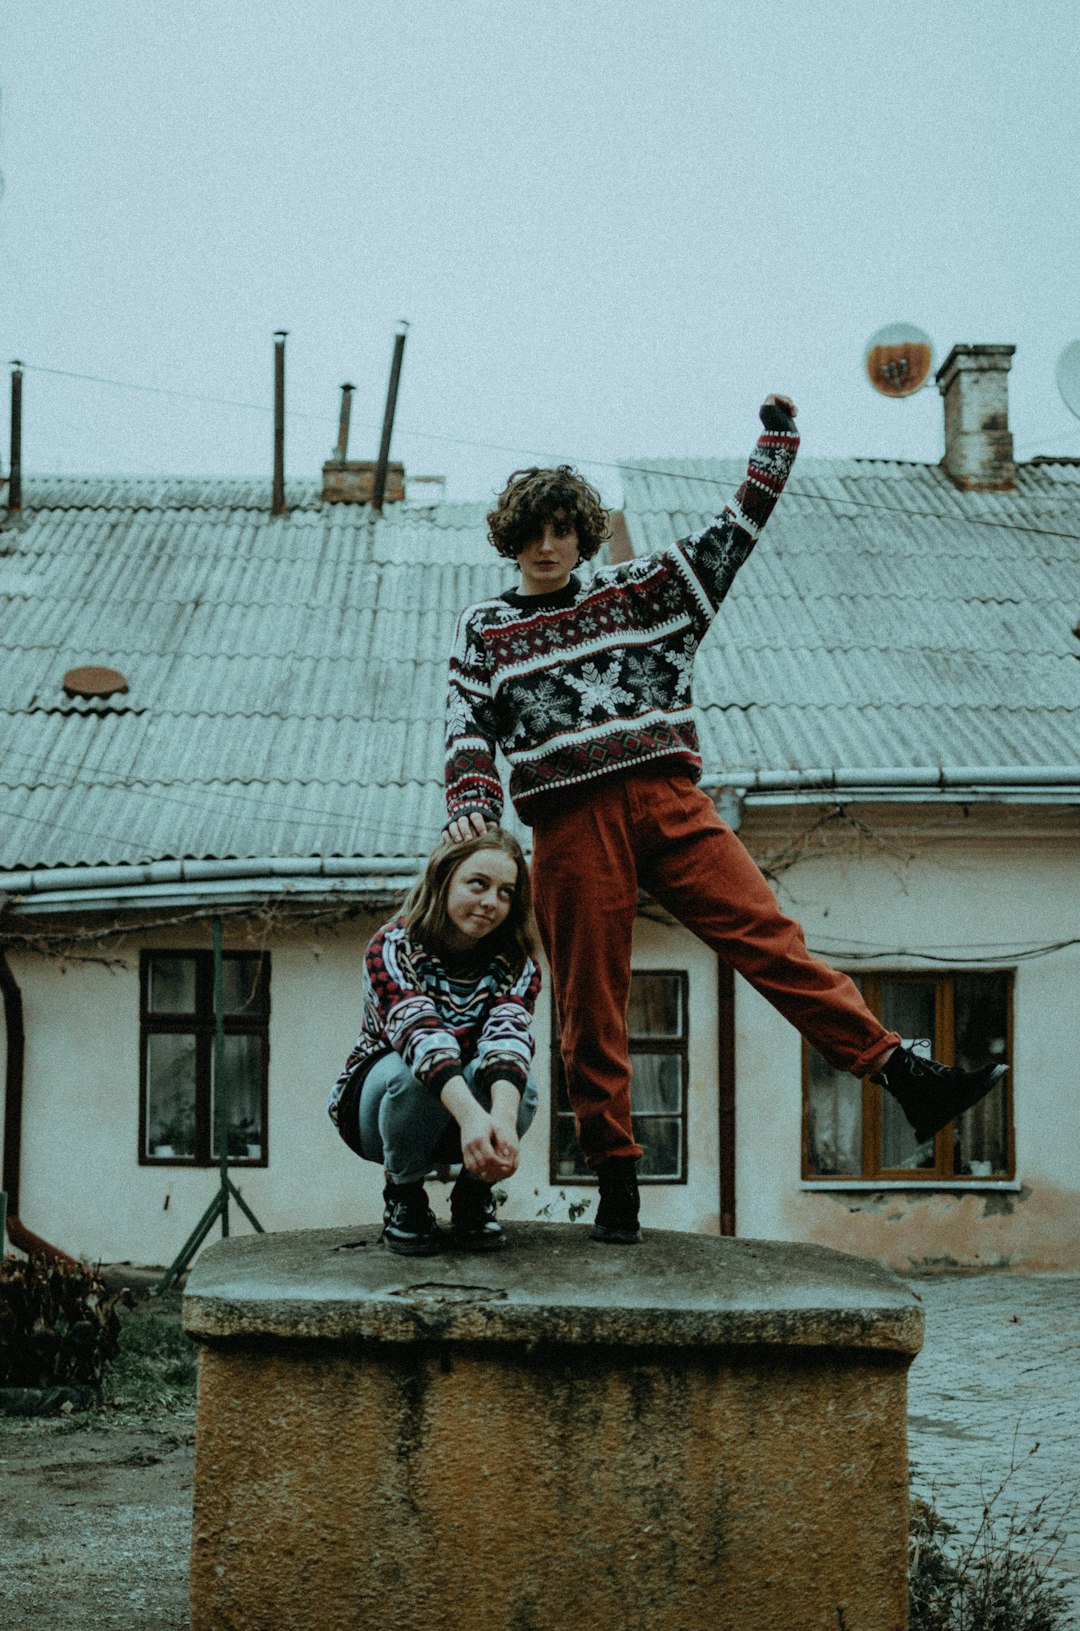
{"points": [[660, 832]]}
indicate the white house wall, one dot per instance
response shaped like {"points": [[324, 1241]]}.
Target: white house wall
{"points": [[977, 880], [981, 878]]}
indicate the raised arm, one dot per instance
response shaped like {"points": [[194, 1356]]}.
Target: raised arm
{"points": [[473, 790], [715, 554]]}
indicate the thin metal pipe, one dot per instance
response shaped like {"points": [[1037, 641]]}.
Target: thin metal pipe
{"points": [[277, 501], [341, 452], [221, 1080], [379, 488], [14, 504]]}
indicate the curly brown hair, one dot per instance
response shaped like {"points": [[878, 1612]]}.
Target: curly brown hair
{"points": [[534, 496]]}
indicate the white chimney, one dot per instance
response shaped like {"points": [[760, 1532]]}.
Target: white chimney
{"points": [[974, 381]]}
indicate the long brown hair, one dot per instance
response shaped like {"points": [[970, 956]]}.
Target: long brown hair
{"points": [[424, 907]]}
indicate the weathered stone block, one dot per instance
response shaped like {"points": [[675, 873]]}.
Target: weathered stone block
{"points": [[693, 1433]]}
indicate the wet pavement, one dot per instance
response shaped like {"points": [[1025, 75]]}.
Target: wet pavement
{"points": [[994, 1398]]}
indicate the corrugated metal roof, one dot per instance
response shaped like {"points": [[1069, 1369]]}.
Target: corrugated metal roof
{"points": [[886, 619], [287, 675]]}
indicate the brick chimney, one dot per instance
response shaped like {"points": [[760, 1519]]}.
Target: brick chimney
{"points": [[352, 481], [973, 379]]}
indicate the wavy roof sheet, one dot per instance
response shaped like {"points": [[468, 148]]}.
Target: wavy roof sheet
{"points": [[286, 675], [886, 619]]}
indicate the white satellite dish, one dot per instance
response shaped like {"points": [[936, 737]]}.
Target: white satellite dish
{"points": [[1068, 376], [898, 359]]}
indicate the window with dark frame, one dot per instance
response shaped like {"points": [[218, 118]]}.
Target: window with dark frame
{"points": [[657, 1018], [854, 1129], [176, 1057]]}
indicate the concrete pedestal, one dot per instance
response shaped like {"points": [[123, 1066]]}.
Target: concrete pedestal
{"points": [[690, 1433]]}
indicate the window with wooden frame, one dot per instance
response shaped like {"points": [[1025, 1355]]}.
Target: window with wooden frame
{"points": [[176, 1057], [854, 1129], [659, 1061]]}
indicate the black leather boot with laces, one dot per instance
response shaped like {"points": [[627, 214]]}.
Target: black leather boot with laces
{"points": [[409, 1226], [932, 1095], [617, 1214], [472, 1215]]}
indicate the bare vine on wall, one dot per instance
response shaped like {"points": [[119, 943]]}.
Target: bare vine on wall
{"points": [[835, 832], [105, 943]]}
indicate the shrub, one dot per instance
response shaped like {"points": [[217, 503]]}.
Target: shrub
{"points": [[998, 1581], [58, 1323]]}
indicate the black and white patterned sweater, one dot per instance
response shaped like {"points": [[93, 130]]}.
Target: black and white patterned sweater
{"points": [[595, 679]]}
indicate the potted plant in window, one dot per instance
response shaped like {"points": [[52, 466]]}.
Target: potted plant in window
{"points": [[245, 1139], [175, 1134]]}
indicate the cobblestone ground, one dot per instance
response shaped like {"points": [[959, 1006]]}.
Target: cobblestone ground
{"points": [[97, 1523], [999, 1374]]}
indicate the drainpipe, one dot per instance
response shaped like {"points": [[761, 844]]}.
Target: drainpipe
{"points": [[17, 1232], [277, 502], [15, 479], [388, 417]]}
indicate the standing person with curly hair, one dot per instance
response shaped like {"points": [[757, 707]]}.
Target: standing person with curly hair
{"points": [[440, 1071], [586, 686]]}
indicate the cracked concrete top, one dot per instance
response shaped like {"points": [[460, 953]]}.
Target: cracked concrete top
{"points": [[553, 1285]]}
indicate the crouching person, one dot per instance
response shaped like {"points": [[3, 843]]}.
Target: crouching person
{"points": [[440, 1071]]}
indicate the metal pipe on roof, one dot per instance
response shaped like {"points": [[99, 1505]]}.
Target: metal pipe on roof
{"points": [[906, 778], [277, 500], [14, 504], [342, 450], [388, 418], [79, 879]]}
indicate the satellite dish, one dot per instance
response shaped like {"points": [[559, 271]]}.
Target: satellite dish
{"points": [[898, 359], [1068, 376]]}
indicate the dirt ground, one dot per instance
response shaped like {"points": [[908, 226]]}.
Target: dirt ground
{"points": [[96, 1511], [96, 1524]]}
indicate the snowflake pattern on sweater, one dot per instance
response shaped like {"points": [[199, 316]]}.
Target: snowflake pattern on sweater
{"points": [[596, 678], [439, 1022]]}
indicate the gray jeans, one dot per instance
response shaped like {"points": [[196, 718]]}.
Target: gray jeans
{"points": [[406, 1128]]}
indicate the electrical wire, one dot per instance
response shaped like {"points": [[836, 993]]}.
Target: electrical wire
{"points": [[840, 949], [622, 466]]}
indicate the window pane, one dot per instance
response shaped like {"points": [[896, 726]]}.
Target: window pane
{"points": [[661, 1139], [171, 985], [170, 1094], [243, 1067], [981, 1009], [907, 1006], [569, 1161], [245, 982], [836, 1127], [656, 1082], [655, 1005]]}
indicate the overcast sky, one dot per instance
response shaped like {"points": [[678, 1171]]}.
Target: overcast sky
{"points": [[612, 224]]}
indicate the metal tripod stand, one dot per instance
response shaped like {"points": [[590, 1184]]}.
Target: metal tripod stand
{"points": [[219, 1205]]}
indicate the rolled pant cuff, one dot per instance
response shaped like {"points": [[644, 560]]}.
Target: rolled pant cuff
{"points": [[862, 1064]]}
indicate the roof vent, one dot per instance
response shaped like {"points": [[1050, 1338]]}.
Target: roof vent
{"points": [[94, 682]]}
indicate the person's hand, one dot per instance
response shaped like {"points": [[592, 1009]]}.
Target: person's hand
{"points": [[485, 1149], [505, 1100], [784, 402], [466, 827]]}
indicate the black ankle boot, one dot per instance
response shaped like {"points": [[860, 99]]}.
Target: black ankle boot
{"points": [[472, 1215], [409, 1226], [617, 1214], [932, 1095]]}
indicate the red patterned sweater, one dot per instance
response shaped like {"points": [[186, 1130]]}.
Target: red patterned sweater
{"points": [[439, 1021], [595, 678]]}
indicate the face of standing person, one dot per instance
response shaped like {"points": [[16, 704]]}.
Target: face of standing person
{"points": [[479, 897], [546, 561]]}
